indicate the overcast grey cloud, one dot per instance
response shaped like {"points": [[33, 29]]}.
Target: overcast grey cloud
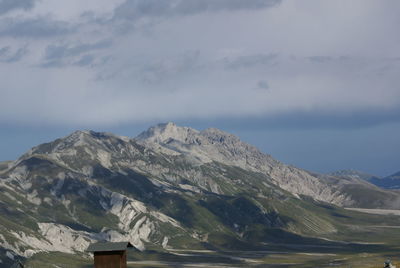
{"points": [[85, 60], [62, 51], [35, 28], [4, 51], [135, 9], [8, 55], [320, 59], [10, 5], [250, 61], [217, 58], [61, 55], [262, 84]]}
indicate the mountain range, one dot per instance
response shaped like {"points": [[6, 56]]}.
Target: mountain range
{"points": [[388, 182], [174, 187]]}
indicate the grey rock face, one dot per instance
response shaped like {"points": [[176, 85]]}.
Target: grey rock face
{"points": [[215, 145]]}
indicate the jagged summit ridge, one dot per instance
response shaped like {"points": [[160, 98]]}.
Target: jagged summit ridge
{"points": [[166, 131], [204, 146], [82, 150], [214, 145]]}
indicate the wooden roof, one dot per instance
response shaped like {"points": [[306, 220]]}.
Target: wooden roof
{"points": [[109, 246]]}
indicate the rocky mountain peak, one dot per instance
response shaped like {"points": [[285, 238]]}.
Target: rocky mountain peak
{"points": [[79, 138], [81, 149], [229, 141], [168, 133], [204, 146], [217, 135], [165, 132], [86, 135]]}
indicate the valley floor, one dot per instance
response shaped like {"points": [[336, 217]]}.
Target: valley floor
{"points": [[357, 255], [295, 255], [377, 211]]}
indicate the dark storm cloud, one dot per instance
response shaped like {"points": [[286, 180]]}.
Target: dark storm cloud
{"points": [[36, 28], [10, 5], [134, 9]]}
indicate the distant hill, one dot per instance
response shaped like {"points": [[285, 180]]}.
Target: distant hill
{"points": [[389, 182], [354, 174]]}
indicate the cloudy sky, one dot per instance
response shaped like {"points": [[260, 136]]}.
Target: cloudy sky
{"points": [[314, 83]]}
